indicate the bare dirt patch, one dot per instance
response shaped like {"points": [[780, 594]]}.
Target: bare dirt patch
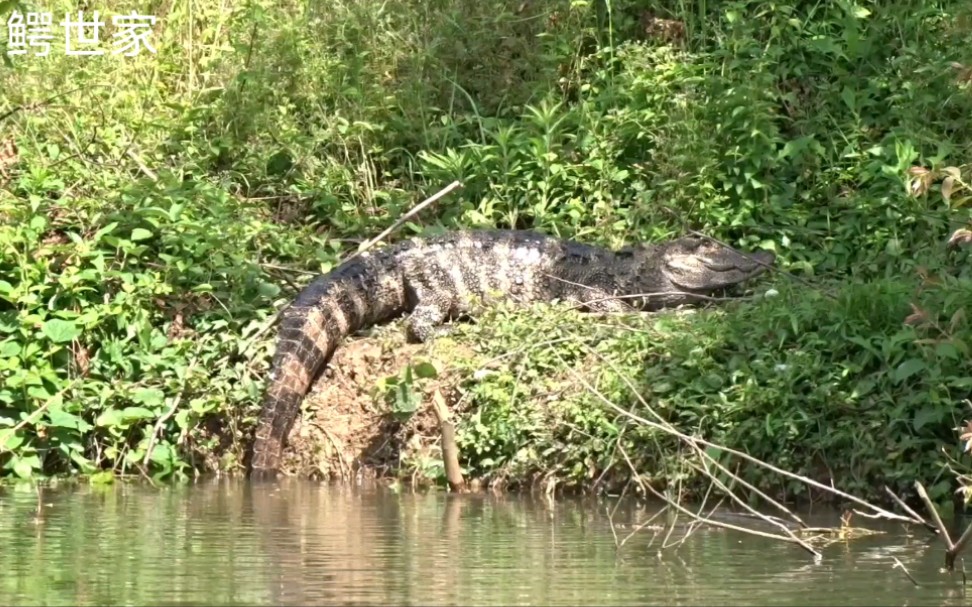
{"points": [[347, 432]]}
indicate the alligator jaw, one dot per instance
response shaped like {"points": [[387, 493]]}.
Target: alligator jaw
{"points": [[703, 266]]}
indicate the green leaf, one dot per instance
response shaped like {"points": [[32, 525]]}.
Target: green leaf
{"points": [[182, 419], [60, 331], [109, 417], [24, 466], [426, 370], [13, 441], [105, 477], [60, 418], [9, 348], [268, 289], [162, 454], [135, 413], [928, 415], [140, 234], [150, 397], [908, 368]]}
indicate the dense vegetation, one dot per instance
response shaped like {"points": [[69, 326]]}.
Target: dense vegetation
{"points": [[157, 210]]}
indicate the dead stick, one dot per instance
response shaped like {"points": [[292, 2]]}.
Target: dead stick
{"points": [[958, 547], [669, 429], [732, 495], [750, 486], [450, 451], [949, 546], [141, 165], [905, 569], [415, 210], [904, 506], [690, 439], [714, 523]]}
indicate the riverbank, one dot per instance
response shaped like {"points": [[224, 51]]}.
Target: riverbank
{"points": [[159, 209]]}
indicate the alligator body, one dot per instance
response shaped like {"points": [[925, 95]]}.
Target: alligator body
{"points": [[443, 277]]}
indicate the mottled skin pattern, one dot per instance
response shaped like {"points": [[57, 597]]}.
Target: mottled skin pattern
{"points": [[444, 277]]}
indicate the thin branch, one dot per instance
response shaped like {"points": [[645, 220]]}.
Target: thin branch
{"points": [[33, 417], [141, 165], [168, 414], [669, 429], [729, 526], [904, 506], [401, 220], [942, 529], [763, 517], [899, 564], [960, 545], [48, 101]]}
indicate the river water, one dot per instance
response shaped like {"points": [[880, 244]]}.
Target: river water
{"points": [[225, 542]]}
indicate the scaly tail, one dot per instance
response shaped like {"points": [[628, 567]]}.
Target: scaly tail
{"points": [[307, 341]]}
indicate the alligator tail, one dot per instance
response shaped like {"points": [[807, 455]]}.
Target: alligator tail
{"points": [[356, 294], [305, 344]]}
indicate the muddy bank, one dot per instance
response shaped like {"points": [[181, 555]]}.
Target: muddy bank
{"points": [[349, 430]]}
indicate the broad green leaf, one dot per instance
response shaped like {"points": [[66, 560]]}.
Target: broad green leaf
{"points": [[60, 418], [60, 331], [426, 370], [925, 416], [135, 413], [10, 441], [908, 368], [150, 397], [109, 417], [9, 348]]}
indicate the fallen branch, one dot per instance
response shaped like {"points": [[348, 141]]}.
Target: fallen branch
{"points": [[141, 164], [450, 451], [691, 440], [904, 506], [725, 480], [899, 565], [401, 220], [952, 549], [729, 526], [786, 530]]}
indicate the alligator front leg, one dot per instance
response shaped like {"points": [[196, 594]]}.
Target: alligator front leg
{"points": [[599, 301], [425, 323]]}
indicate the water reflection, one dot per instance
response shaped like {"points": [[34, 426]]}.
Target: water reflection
{"points": [[232, 543]]}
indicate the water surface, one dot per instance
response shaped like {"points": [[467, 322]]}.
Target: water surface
{"points": [[227, 542]]}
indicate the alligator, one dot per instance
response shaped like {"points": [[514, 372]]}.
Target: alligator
{"points": [[444, 277]]}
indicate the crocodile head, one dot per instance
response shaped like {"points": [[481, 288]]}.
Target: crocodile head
{"points": [[701, 265]]}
